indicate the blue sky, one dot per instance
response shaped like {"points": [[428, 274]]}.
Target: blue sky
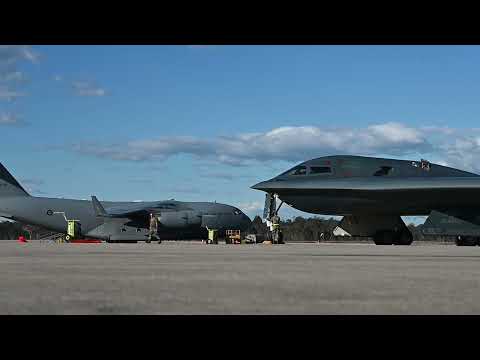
{"points": [[205, 123]]}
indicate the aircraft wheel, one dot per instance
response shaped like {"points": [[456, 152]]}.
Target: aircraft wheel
{"points": [[385, 237], [471, 241], [459, 241], [465, 241], [404, 238]]}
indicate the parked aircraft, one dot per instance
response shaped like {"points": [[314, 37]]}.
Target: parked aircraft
{"points": [[116, 221], [373, 193]]}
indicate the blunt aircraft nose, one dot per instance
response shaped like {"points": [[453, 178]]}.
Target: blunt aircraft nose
{"points": [[245, 222]]}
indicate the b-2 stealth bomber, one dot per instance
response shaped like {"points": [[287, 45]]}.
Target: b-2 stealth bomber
{"points": [[373, 193]]}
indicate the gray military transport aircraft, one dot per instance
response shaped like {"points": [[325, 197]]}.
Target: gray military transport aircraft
{"points": [[116, 221], [372, 193]]}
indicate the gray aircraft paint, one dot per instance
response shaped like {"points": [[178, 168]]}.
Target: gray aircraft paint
{"points": [[352, 188], [366, 189], [128, 220]]}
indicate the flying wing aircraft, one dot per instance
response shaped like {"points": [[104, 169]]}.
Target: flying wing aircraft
{"points": [[373, 193], [116, 221]]}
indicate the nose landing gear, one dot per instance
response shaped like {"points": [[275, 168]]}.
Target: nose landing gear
{"points": [[270, 215]]}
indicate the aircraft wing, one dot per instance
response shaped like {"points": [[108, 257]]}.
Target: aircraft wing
{"points": [[135, 210], [374, 184]]}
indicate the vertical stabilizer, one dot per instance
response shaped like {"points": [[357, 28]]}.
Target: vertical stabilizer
{"points": [[98, 207], [8, 185]]}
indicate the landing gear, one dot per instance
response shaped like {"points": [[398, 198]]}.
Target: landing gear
{"points": [[405, 237], [384, 237], [384, 229], [466, 241], [270, 215], [390, 237]]}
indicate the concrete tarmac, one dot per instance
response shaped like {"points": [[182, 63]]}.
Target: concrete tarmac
{"points": [[194, 278]]}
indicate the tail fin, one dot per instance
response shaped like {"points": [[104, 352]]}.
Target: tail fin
{"points": [[98, 207], [8, 185]]}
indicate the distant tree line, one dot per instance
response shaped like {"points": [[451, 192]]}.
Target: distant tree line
{"points": [[294, 230], [310, 230]]}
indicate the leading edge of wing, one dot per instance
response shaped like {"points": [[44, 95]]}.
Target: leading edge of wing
{"points": [[136, 209], [380, 184]]}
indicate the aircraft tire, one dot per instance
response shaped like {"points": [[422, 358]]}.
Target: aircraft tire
{"points": [[384, 237], [465, 241], [404, 238]]}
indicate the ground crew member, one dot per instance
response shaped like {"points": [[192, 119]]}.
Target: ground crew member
{"points": [[276, 228], [153, 228]]}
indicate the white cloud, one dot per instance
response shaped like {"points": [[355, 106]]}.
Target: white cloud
{"points": [[462, 151], [252, 206], [11, 54], [33, 186], [11, 78], [284, 143], [85, 88], [10, 119], [9, 94], [450, 146]]}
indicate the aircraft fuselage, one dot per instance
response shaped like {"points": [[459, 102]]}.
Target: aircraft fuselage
{"points": [[349, 185]]}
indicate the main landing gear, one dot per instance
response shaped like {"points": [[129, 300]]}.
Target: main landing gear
{"points": [[270, 215], [462, 240], [384, 229], [390, 237]]}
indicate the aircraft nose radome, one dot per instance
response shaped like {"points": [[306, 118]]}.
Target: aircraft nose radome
{"points": [[246, 222], [260, 186]]}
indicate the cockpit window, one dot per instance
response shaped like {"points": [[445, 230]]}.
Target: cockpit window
{"points": [[320, 170], [384, 170], [299, 170]]}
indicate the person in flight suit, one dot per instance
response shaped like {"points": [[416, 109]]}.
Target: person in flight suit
{"points": [[276, 229], [152, 233]]}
